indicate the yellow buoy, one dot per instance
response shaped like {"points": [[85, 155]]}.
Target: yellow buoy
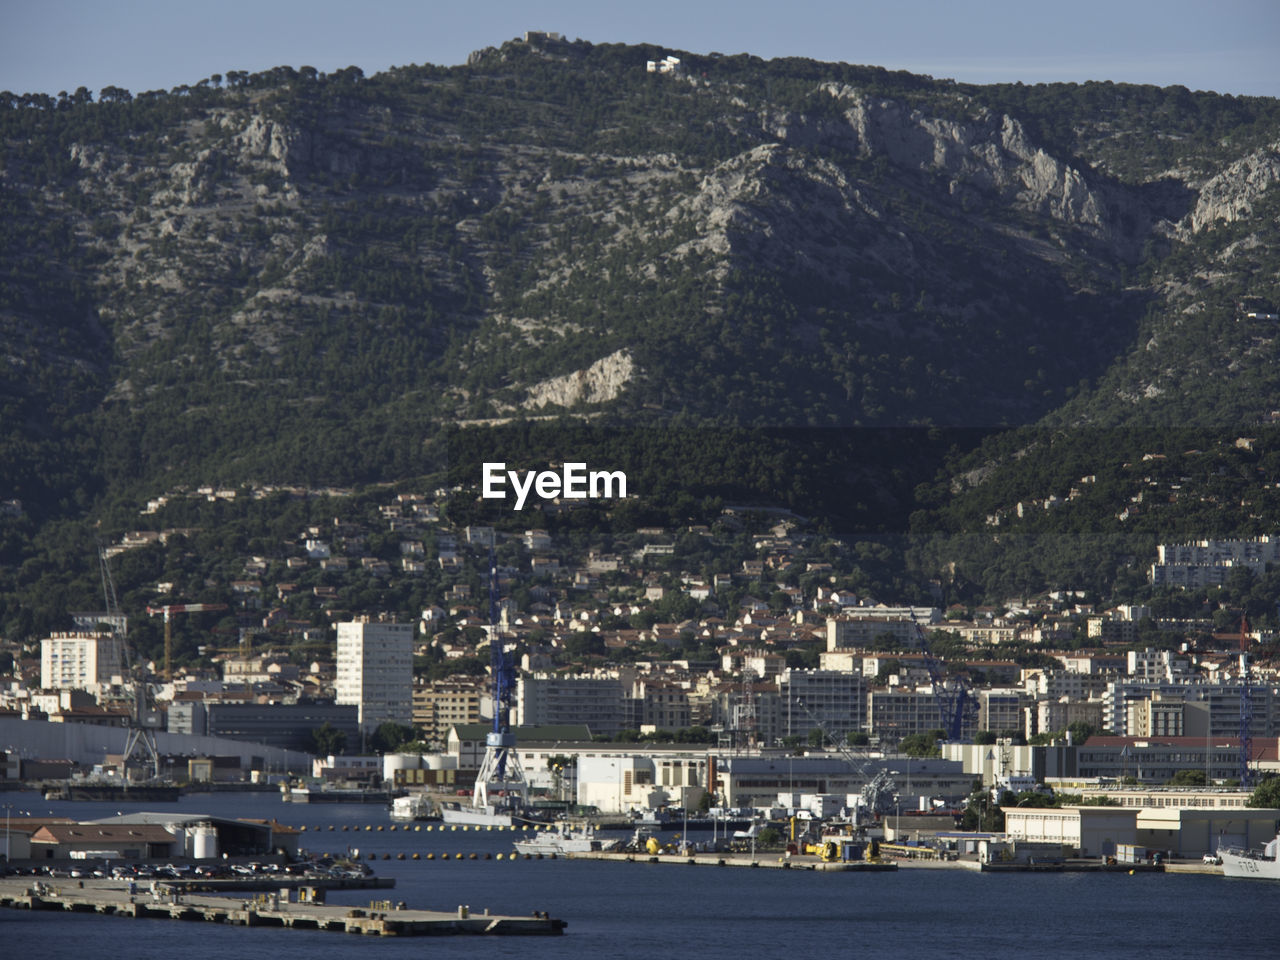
{"points": [[499, 856], [416, 828], [415, 856], [431, 856]]}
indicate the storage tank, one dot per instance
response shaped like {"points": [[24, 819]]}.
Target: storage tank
{"points": [[204, 841], [392, 762]]}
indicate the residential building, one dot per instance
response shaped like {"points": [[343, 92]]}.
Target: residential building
{"points": [[1159, 665], [79, 660], [441, 704], [1000, 710], [844, 632], [661, 705], [601, 702], [831, 700], [1048, 716], [375, 671]]}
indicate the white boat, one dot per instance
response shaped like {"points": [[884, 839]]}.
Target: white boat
{"points": [[502, 814], [1261, 864], [565, 839], [412, 807]]}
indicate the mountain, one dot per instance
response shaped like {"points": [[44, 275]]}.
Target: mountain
{"points": [[290, 277]]}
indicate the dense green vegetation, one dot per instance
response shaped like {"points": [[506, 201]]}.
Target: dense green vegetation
{"points": [[292, 277]]}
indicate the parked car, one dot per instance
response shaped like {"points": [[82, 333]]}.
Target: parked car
{"points": [[1211, 858]]}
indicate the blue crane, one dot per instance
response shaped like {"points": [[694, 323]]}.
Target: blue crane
{"points": [[954, 697]]}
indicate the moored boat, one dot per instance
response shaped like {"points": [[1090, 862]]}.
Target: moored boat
{"points": [[565, 839], [1261, 864], [413, 807]]}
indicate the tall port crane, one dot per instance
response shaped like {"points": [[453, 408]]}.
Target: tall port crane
{"points": [[954, 696], [141, 738], [501, 772], [878, 788], [168, 610]]}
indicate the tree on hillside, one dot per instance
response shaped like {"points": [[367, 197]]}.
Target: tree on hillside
{"points": [[922, 744], [390, 736], [1266, 795], [328, 740]]}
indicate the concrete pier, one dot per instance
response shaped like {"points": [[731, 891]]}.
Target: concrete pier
{"points": [[766, 861], [380, 918]]}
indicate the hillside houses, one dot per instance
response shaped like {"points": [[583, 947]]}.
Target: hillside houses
{"points": [[760, 638]]}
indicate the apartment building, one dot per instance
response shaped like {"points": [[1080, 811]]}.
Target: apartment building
{"points": [[374, 671]]}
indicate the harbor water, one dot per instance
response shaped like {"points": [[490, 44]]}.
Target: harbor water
{"points": [[642, 910]]}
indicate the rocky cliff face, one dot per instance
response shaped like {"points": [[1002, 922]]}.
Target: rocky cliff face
{"points": [[601, 382], [1230, 196], [551, 229]]}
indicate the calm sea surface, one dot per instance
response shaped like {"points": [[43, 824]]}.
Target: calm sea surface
{"points": [[649, 911]]}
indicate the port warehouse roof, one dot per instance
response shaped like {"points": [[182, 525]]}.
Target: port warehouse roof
{"points": [[237, 837], [162, 832], [1264, 750], [126, 840], [87, 743]]}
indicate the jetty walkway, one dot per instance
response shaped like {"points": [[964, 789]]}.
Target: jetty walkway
{"points": [[381, 918]]}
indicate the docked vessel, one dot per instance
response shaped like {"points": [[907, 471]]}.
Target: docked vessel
{"points": [[565, 839], [718, 822], [79, 790], [1261, 864], [413, 807], [510, 811], [327, 793]]}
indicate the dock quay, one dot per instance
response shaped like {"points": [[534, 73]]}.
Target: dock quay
{"points": [[381, 918], [762, 861]]}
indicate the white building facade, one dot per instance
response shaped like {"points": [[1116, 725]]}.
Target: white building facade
{"points": [[79, 661], [374, 671]]}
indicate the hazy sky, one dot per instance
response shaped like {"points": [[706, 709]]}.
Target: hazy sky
{"points": [[1230, 46]]}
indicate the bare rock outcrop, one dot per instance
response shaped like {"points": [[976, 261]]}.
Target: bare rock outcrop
{"points": [[598, 383], [1230, 195]]}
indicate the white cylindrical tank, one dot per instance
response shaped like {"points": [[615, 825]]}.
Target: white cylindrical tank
{"points": [[392, 762], [204, 841]]}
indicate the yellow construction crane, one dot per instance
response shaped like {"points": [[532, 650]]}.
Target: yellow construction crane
{"points": [[168, 610]]}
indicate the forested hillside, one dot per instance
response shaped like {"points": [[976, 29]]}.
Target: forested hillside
{"points": [[891, 303]]}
